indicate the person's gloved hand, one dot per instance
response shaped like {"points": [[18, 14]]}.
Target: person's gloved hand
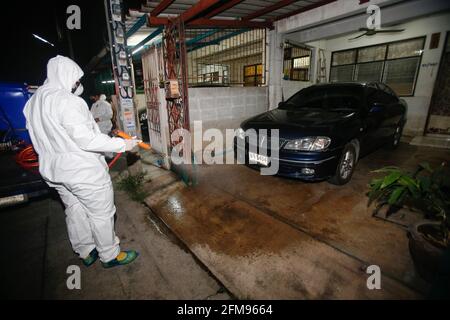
{"points": [[131, 144]]}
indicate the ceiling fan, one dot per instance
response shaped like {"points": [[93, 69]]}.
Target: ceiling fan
{"points": [[371, 32]]}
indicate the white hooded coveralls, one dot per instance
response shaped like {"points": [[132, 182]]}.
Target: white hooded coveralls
{"points": [[69, 144], [102, 111]]}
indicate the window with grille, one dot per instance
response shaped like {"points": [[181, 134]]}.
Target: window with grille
{"points": [[297, 62], [218, 57], [253, 75], [395, 63]]}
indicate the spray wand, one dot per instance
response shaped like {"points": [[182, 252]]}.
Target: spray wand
{"points": [[125, 136]]}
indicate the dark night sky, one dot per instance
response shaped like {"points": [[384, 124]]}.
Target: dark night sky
{"points": [[24, 58]]}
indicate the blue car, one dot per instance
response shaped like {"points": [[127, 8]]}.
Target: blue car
{"points": [[324, 129]]}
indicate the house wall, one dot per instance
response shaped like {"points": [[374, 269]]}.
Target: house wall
{"points": [[226, 107], [221, 108], [310, 24], [330, 12], [419, 103]]}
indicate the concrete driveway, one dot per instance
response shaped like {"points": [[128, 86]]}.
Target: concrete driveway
{"points": [[37, 252], [274, 238]]}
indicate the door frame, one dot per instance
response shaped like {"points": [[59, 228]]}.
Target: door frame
{"points": [[433, 97]]}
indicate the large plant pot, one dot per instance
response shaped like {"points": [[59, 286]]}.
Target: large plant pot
{"points": [[425, 254]]}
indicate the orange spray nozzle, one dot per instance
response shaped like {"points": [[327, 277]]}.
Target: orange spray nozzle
{"points": [[128, 137]]}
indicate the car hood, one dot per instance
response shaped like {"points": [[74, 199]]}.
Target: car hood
{"points": [[299, 122]]}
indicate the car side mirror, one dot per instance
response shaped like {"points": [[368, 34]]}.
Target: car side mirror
{"points": [[376, 107]]}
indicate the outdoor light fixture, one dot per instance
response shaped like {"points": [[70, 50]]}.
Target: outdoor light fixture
{"points": [[155, 40], [42, 39], [137, 50]]}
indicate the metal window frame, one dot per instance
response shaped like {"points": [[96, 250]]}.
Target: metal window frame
{"points": [[385, 60]]}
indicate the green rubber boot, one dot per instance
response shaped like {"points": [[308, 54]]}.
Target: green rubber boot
{"points": [[124, 257], [91, 258]]}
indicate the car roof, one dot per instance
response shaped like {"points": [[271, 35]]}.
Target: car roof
{"points": [[346, 84]]}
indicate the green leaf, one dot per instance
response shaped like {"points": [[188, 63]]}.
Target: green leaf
{"points": [[424, 183], [426, 166], [390, 179], [386, 170], [411, 184], [375, 184], [395, 195]]}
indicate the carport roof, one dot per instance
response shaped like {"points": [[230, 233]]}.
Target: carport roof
{"points": [[215, 13]]}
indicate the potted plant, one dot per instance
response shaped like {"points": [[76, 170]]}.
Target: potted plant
{"points": [[428, 191]]}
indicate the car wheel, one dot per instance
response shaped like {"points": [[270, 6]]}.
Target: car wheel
{"points": [[346, 166], [395, 139]]}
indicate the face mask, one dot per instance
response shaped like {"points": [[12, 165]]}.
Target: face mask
{"points": [[79, 91]]}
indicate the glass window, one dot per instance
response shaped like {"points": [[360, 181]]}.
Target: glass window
{"points": [[369, 72], [404, 49], [253, 75], [342, 73], [300, 74], [379, 96], [370, 54], [373, 96], [329, 98], [250, 71], [344, 57], [302, 62], [388, 90], [296, 64], [259, 69], [395, 64], [299, 52], [400, 75]]}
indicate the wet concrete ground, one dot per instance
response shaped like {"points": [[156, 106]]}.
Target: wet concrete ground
{"points": [[269, 237], [36, 253], [260, 237]]}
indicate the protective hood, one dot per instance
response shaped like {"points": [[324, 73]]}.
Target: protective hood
{"points": [[63, 73]]}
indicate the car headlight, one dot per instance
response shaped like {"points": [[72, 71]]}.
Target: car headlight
{"points": [[240, 133], [309, 144]]}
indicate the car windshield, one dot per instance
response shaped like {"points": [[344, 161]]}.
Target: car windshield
{"points": [[332, 98]]}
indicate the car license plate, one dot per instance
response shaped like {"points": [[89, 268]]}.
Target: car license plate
{"points": [[258, 158]]}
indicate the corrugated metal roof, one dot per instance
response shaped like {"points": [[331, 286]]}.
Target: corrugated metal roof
{"points": [[241, 10], [131, 19]]}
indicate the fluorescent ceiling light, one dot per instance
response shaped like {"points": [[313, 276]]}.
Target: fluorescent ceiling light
{"points": [[43, 40], [154, 40], [138, 49]]}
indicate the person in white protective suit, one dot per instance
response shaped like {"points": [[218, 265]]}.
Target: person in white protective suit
{"points": [[70, 146], [102, 112]]}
